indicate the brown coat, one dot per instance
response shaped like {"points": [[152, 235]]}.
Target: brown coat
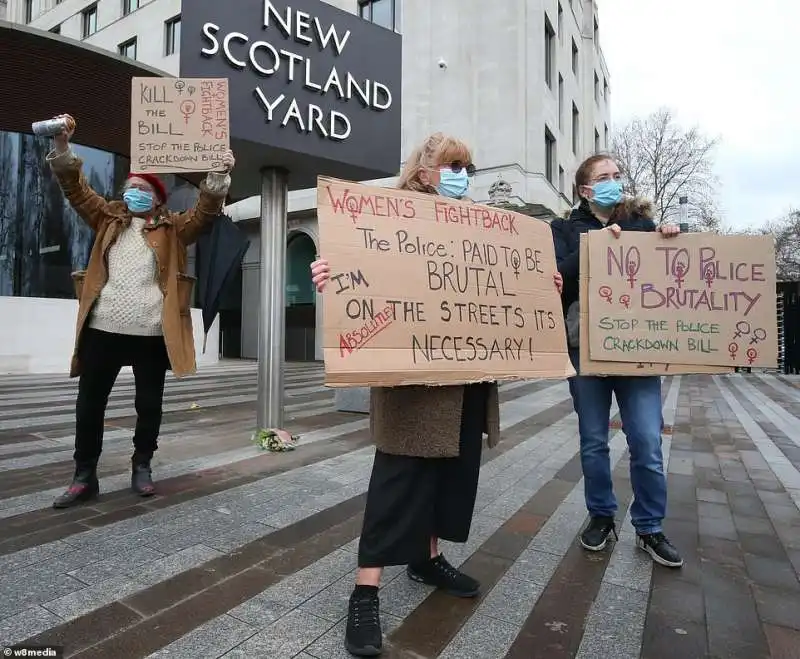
{"points": [[425, 422], [168, 237]]}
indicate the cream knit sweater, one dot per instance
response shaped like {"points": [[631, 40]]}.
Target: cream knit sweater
{"points": [[131, 302]]}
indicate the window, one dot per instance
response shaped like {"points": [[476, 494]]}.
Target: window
{"points": [[28, 11], [128, 6], [574, 57], [549, 156], [596, 32], [596, 89], [561, 179], [172, 35], [606, 136], [89, 16], [560, 103], [385, 13], [605, 89], [596, 141], [128, 49], [560, 26], [549, 52], [576, 129]]}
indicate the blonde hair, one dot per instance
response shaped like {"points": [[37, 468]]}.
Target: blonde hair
{"points": [[437, 150]]}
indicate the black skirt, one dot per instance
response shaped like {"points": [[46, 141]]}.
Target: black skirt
{"points": [[410, 499]]}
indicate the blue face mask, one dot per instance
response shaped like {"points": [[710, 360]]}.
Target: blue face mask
{"points": [[453, 184], [607, 193], [138, 201]]}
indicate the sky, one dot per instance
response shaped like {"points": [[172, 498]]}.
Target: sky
{"points": [[729, 67]]}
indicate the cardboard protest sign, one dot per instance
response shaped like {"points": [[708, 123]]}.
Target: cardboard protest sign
{"points": [[179, 124], [427, 290], [589, 366], [695, 299]]}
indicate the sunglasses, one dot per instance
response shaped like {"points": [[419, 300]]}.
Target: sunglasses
{"points": [[456, 166]]}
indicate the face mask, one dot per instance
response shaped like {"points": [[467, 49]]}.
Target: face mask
{"points": [[138, 201], [607, 193], [453, 184]]}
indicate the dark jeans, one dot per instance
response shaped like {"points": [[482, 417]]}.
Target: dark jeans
{"points": [[639, 400], [102, 355]]}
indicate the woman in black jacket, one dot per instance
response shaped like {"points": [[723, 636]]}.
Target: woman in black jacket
{"points": [[603, 207]]}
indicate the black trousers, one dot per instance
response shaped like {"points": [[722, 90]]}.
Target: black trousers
{"points": [[410, 500], [102, 355]]}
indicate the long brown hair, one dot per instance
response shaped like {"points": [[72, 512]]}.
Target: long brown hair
{"points": [[437, 150]]}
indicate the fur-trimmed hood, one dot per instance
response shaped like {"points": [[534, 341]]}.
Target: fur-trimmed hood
{"points": [[637, 206]]}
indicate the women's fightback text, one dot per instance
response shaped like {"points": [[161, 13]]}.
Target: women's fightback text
{"points": [[697, 299], [426, 290]]}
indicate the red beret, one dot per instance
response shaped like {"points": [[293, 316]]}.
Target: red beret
{"points": [[157, 183]]}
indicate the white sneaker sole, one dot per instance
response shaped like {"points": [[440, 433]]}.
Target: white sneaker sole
{"points": [[599, 547], [658, 559]]}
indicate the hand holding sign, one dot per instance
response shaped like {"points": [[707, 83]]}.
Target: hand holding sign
{"points": [[320, 274]]}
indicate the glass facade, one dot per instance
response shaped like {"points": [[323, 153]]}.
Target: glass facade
{"points": [[42, 240]]}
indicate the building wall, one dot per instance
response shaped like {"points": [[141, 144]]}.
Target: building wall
{"points": [[491, 90], [470, 68], [42, 336], [3, 9]]}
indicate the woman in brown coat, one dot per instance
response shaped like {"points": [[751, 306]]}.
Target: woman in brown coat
{"points": [[425, 475], [134, 306]]}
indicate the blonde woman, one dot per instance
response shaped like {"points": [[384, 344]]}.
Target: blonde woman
{"points": [[425, 475]]}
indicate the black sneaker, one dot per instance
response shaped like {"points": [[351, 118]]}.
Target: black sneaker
{"points": [[363, 637], [438, 572], [595, 535], [660, 549]]}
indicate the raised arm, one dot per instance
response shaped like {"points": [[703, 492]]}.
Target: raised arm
{"points": [[68, 170], [210, 203]]}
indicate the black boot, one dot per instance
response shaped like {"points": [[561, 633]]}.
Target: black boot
{"points": [[142, 475], [84, 487]]}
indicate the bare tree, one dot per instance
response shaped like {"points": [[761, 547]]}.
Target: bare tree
{"points": [[663, 162], [786, 232]]}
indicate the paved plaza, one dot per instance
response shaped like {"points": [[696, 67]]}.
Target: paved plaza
{"points": [[247, 554]]}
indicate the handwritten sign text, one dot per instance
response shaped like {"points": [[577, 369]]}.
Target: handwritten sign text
{"points": [[426, 290], [695, 299], [179, 124]]}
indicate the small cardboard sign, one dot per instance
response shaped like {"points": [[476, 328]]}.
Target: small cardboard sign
{"points": [[179, 124], [427, 290], [589, 366], [694, 299]]}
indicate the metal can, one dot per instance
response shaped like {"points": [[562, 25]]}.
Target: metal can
{"points": [[53, 127]]}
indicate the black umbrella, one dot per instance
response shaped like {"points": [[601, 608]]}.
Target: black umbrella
{"points": [[220, 253]]}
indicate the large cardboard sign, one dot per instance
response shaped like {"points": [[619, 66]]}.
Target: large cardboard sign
{"points": [[589, 366], [179, 124], [695, 299], [426, 290]]}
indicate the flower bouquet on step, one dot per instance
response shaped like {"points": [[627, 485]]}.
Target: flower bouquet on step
{"points": [[275, 440]]}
